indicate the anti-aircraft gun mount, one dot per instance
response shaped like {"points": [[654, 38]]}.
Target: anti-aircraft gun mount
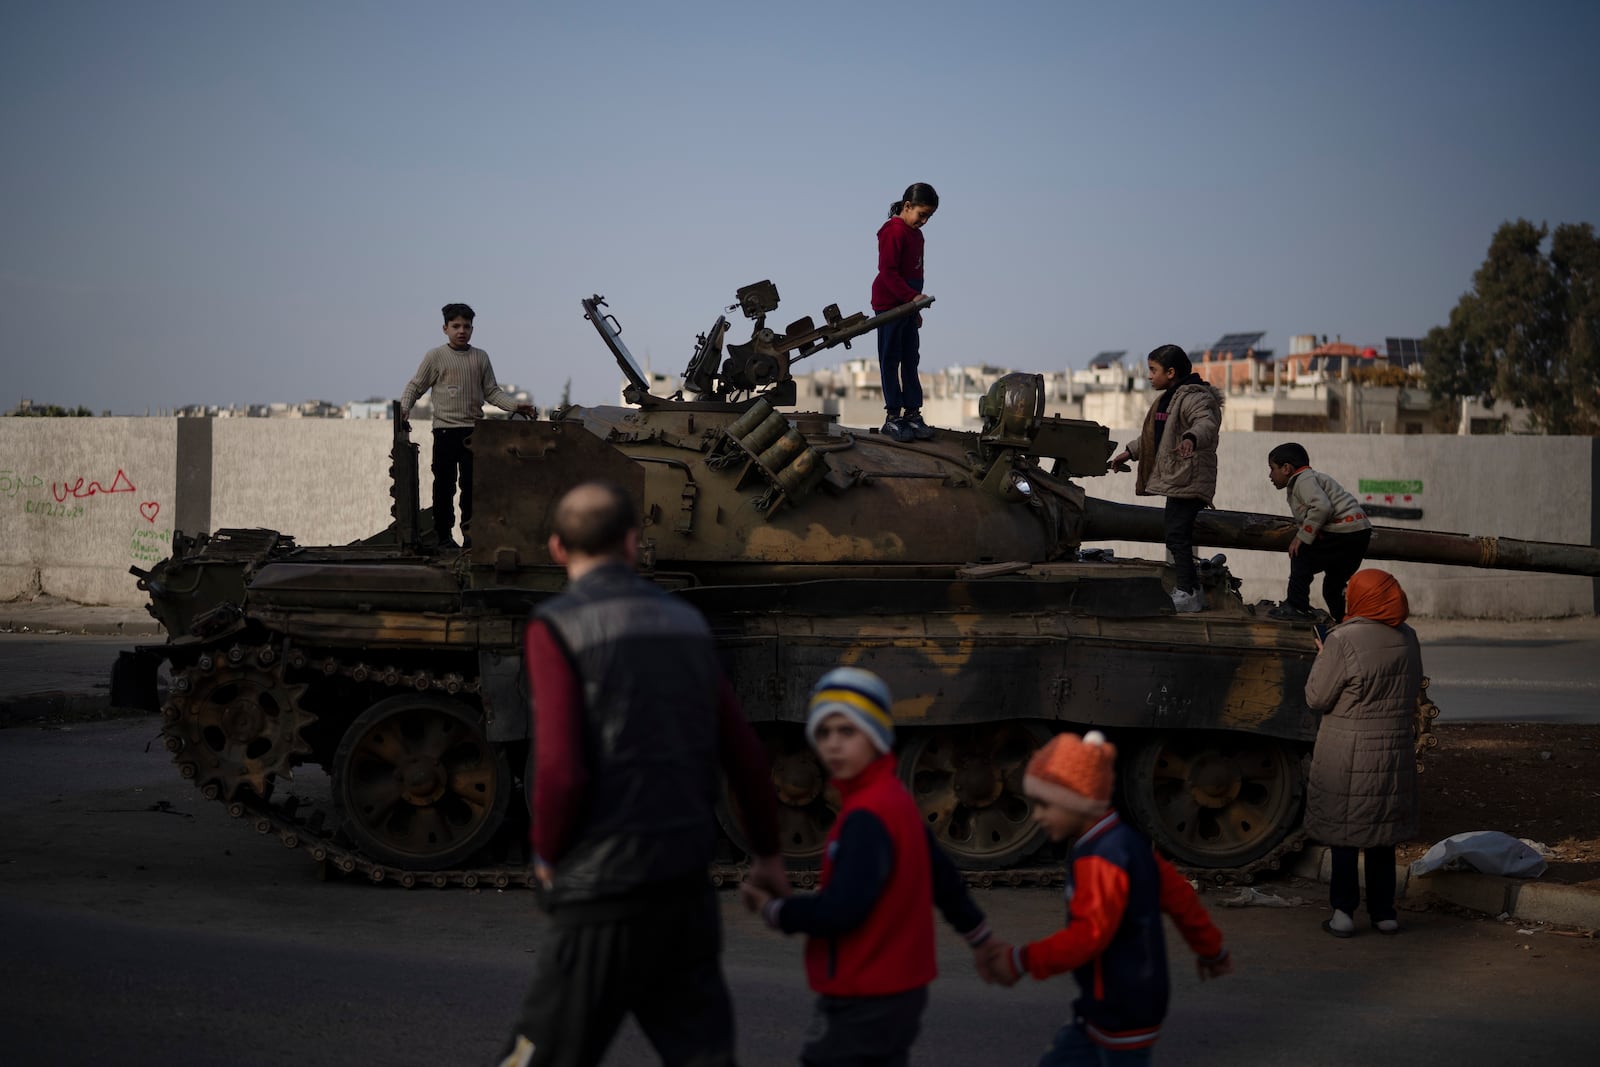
{"points": [[759, 366], [955, 568]]}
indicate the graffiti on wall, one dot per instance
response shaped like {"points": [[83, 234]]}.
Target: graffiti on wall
{"points": [[13, 482], [52, 511], [151, 546], [66, 499], [63, 501], [78, 490]]}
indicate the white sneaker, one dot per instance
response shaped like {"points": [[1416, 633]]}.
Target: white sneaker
{"points": [[1182, 601], [1340, 925], [1387, 926]]}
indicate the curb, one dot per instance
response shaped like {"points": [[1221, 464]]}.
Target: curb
{"points": [[1490, 894]]}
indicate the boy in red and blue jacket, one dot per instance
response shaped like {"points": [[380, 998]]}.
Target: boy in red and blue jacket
{"points": [[870, 945], [1117, 889]]}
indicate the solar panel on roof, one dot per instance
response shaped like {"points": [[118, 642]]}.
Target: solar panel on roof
{"points": [[1404, 351], [1237, 344]]}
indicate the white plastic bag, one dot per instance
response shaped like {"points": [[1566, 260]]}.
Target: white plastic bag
{"points": [[1489, 851], [1251, 897]]}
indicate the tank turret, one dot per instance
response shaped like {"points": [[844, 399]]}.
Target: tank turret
{"points": [[953, 567]]}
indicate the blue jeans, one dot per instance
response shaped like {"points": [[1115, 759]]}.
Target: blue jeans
{"points": [[899, 352], [1072, 1048]]}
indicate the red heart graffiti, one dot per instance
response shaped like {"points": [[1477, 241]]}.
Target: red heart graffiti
{"points": [[150, 509]]}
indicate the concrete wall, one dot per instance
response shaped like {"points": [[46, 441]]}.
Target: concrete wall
{"points": [[83, 499], [323, 480], [1534, 488]]}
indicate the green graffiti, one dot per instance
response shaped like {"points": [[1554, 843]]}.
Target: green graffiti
{"points": [[150, 546], [53, 511]]}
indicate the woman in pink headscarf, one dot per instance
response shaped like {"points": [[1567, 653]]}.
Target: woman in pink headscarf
{"points": [[1363, 790]]}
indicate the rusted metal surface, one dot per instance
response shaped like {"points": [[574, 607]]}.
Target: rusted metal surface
{"points": [[950, 566]]}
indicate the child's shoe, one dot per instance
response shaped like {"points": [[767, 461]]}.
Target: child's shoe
{"points": [[919, 429], [1341, 925], [895, 429], [1184, 601]]}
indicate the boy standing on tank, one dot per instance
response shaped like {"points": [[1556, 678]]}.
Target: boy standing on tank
{"points": [[1331, 536], [870, 936], [1117, 889], [1177, 456], [462, 380]]}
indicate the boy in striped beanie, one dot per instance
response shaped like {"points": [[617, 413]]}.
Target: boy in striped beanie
{"points": [[870, 942], [1117, 889]]}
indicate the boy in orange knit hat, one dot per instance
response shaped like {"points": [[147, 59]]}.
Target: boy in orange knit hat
{"points": [[1117, 888]]}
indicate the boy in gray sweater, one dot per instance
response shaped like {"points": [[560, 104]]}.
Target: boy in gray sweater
{"points": [[1332, 537], [462, 381]]}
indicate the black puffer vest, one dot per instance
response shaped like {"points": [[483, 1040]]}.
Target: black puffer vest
{"points": [[650, 680]]}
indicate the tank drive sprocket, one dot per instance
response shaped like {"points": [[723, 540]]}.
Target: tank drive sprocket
{"points": [[232, 721]]}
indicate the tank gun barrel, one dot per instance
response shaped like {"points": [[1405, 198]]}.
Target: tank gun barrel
{"points": [[1106, 520]]}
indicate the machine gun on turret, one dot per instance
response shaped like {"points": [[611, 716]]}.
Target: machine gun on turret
{"points": [[757, 368]]}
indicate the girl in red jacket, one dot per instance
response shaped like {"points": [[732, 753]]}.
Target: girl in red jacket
{"points": [[899, 281], [869, 950]]}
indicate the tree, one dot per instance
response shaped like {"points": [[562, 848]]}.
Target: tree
{"points": [[50, 411], [1528, 331]]}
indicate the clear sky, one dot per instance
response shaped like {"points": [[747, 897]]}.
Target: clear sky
{"points": [[230, 202]]}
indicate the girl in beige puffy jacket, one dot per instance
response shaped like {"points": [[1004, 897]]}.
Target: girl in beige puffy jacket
{"points": [[1177, 456]]}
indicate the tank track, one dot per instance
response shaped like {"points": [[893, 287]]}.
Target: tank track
{"points": [[321, 845], [298, 825]]}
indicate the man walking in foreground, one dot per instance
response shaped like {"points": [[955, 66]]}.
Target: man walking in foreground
{"points": [[633, 724]]}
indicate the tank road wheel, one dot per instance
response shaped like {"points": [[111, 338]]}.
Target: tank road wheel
{"points": [[417, 783], [235, 725], [807, 806], [1215, 800], [968, 782]]}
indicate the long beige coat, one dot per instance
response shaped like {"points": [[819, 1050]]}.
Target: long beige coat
{"points": [[1363, 790], [1196, 409]]}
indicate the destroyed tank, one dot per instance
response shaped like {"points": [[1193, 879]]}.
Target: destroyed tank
{"points": [[956, 568]]}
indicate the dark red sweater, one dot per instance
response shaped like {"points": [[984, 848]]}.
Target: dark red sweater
{"points": [[899, 279], [560, 775]]}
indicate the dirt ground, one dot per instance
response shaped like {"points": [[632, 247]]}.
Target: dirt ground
{"points": [[1530, 780]]}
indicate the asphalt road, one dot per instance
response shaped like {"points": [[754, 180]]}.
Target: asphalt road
{"points": [[1514, 672], [140, 922]]}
